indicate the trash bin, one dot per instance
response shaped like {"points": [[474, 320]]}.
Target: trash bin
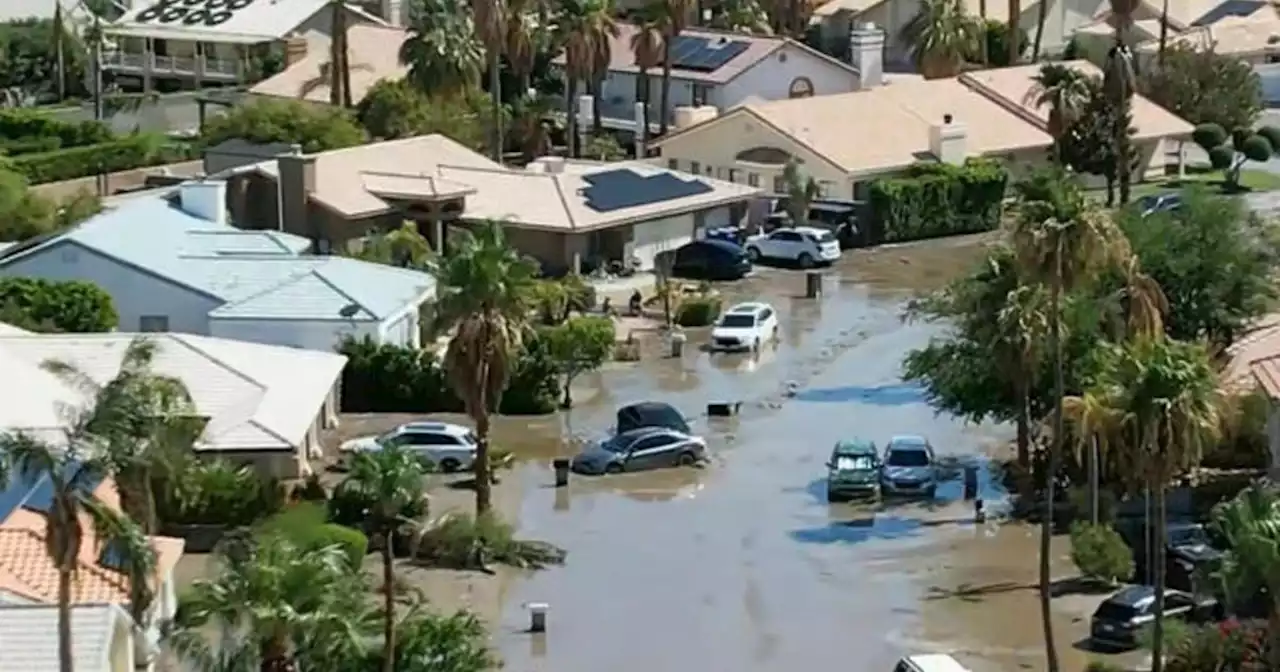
{"points": [[561, 465]]}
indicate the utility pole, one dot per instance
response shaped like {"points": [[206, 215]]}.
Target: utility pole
{"points": [[101, 181]]}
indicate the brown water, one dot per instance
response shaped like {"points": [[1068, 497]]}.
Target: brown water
{"points": [[742, 565]]}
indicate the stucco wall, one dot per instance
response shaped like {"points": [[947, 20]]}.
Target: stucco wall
{"points": [[308, 334]]}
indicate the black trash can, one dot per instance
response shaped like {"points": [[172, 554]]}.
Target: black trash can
{"points": [[561, 465], [970, 482]]}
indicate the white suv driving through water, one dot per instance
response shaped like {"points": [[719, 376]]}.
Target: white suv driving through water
{"points": [[803, 245]]}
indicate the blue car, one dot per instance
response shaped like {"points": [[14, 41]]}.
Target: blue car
{"points": [[910, 469]]}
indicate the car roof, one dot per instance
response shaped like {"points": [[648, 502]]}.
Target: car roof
{"points": [[908, 441], [439, 427], [811, 230], [719, 243], [1135, 596], [855, 447], [641, 432], [936, 662], [749, 307]]}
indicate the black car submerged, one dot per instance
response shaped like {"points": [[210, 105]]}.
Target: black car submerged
{"points": [[1120, 619]]}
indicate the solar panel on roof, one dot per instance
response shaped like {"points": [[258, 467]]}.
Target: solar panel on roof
{"points": [[619, 189], [1229, 8], [40, 498], [705, 55], [113, 557], [19, 489]]}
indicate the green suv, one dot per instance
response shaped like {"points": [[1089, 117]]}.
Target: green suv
{"points": [[853, 471]]}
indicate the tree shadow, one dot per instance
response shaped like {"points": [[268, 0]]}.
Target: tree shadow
{"points": [[968, 592], [1078, 585]]}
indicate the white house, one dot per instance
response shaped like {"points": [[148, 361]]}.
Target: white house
{"points": [[195, 43], [176, 265], [101, 638], [265, 406]]}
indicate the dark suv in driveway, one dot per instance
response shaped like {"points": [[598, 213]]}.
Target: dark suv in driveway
{"points": [[1189, 552], [1120, 619]]}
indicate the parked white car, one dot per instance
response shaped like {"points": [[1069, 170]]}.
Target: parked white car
{"points": [[746, 326], [444, 446], [803, 245]]}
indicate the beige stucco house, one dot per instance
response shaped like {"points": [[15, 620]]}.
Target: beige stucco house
{"points": [[843, 141], [1244, 28]]}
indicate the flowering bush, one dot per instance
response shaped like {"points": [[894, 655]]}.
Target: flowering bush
{"points": [[1230, 646]]}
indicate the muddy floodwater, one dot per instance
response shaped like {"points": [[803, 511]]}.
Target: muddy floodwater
{"points": [[743, 565]]}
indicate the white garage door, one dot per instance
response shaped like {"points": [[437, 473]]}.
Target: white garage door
{"points": [[648, 239]]}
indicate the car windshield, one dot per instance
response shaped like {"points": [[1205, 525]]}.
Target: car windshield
{"points": [[907, 457], [470, 438], [854, 462], [1188, 536], [735, 320], [389, 437], [617, 444], [1114, 611]]}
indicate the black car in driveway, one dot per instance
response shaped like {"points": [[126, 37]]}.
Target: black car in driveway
{"points": [[711, 259], [1120, 620], [1189, 553]]}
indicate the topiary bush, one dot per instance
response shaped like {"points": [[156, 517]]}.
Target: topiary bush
{"points": [[1100, 553], [1272, 134], [934, 199], [698, 311], [1208, 136]]}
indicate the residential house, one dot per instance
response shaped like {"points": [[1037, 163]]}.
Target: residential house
{"points": [[29, 581], [980, 113], [567, 214], [265, 405], [723, 69], [101, 638], [1254, 39], [192, 44], [374, 54], [1231, 26], [177, 265]]}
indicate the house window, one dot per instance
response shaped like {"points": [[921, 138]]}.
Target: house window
{"points": [[733, 175], [153, 323], [710, 171], [700, 95], [673, 164], [779, 184], [826, 188], [753, 179], [695, 167]]}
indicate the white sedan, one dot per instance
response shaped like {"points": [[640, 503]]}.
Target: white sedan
{"points": [[803, 245], [745, 326]]}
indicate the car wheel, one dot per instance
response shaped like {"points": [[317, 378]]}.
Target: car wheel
{"points": [[613, 468], [449, 465], [686, 460], [805, 260], [832, 498], [753, 253], [755, 346]]}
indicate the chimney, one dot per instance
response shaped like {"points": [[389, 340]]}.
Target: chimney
{"points": [[295, 49], [947, 141], [297, 181], [392, 11], [866, 54], [206, 199]]}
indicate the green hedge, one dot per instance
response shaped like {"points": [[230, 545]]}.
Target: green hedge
{"points": [[24, 131], [932, 200], [71, 306], [128, 153], [701, 311], [393, 379]]}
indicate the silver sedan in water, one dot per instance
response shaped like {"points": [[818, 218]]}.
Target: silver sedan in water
{"points": [[639, 449]]}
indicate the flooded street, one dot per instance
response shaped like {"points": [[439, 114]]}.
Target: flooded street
{"points": [[742, 565]]}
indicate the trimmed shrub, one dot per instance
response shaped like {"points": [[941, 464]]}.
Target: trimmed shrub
{"points": [[25, 131], [699, 311], [1208, 136], [135, 151], [1221, 157], [392, 379], [932, 200], [1100, 553], [1255, 148], [71, 306], [306, 524], [1272, 134]]}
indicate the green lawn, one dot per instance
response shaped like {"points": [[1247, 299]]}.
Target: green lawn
{"points": [[1250, 180]]}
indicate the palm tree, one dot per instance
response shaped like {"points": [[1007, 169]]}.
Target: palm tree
{"points": [[531, 122], [484, 291], [788, 17], [525, 37], [1060, 241], [443, 54], [1164, 32], [1015, 31], [672, 18], [1250, 525], [491, 28], [601, 54], [647, 46], [1163, 397], [289, 602], [59, 50], [404, 247], [741, 16], [941, 35], [586, 27], [1065, 91], [390, 481], [339, 58], [71, 473], [1119, 82], [801, 190]]}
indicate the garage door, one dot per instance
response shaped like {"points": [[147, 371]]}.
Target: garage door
{"points": [[657, 236]]}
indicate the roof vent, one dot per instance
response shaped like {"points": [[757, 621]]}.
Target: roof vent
{"points": [[946, 118]]}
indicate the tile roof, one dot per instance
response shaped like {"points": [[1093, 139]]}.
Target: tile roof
{"points": [[435, 164], [29, 636], [257, 21], [257, 397], [1254, 35], [245, 268], [27, 570], [759, 47], [374, 53]]}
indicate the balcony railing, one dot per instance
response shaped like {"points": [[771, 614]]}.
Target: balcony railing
{"points": [[187, 66]]}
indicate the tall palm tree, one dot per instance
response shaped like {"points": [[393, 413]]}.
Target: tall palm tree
{"points": [[647, 46], [601, 54], [1060, 241], [491, 28], [1163, 396], [1164, 32], [1250, 525], [60, 50], [941, 35], [1065, 91], [1015, 31], [339, 58], [741, 16], [587, 26], [484, 294], [673, 19], [443, 54], [71, 471], [1119, 82], [525, 37], [390, 481], [286, 600]]}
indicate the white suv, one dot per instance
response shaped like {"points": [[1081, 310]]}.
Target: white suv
{"points": [[804, 245], [442, 445], [745, 326]]}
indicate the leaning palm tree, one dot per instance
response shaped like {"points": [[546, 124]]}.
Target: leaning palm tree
{"points": [[1250, 526], [443, 54], [484, 292], [1163, 396], [390, 482], [1065, 91], [673, 16], [646, 46], [941, 35], [491, 28], [1119, 83]]}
